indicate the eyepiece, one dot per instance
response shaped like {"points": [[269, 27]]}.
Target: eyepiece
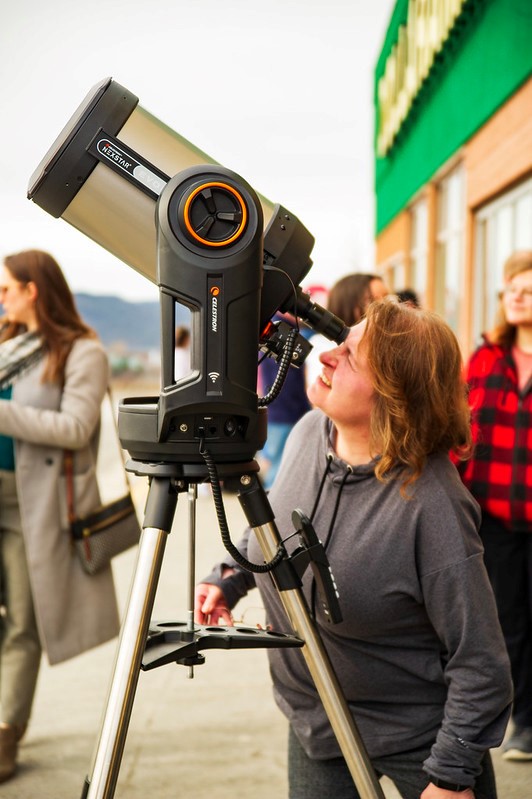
{"points": [[320, 319]]}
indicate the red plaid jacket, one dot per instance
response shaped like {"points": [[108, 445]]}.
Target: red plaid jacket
{"points": [[499, 473]]}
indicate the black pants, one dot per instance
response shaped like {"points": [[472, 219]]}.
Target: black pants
{"points": [[508, 558], [331, 779]]}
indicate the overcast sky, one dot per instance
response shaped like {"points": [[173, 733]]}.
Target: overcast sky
{"points": [[280, 91]]}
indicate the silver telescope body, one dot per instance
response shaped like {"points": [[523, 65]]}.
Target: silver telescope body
{"points": [[73, 181]]}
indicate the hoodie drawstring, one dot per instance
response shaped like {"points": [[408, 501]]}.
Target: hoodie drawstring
{"points": [[348, 471], [337, 505], [322, 483]]}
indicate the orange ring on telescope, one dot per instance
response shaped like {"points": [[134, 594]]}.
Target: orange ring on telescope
{"points": [[191, 229]]}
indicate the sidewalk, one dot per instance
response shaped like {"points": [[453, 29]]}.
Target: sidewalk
{"points": [[216, 736]]}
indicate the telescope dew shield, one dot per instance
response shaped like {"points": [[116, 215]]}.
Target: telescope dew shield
{"points": [[107, 167]]}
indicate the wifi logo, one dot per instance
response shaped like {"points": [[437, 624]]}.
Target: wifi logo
{"points": [[214, 376]]}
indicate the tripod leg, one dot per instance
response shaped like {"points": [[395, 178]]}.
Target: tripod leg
{"points": [[101, 783], [192, 497], [260, 516]]}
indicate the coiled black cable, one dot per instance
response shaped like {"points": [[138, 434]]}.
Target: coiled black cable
{"points": [[222, 522], [284, 366]]}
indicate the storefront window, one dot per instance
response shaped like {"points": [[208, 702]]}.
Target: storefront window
{"points": [[393, 273], [448, 278], [502, 227], [418, 250], [395, 276]]}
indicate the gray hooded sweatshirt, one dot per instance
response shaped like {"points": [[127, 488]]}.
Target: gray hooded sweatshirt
{"points": [[419, 654]]}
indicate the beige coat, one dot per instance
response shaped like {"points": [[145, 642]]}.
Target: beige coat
{"points": [[75, 611]]}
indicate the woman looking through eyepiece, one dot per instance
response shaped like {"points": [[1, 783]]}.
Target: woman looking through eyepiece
{"points": [[419, 654]]}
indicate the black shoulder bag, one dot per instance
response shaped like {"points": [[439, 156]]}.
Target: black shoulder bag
{"points": [[107, 531]]}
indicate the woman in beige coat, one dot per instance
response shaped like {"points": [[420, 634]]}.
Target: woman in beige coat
{"points": [[53, 377]]}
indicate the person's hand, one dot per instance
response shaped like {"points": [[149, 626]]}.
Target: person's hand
{"points": [[432, 792], [210, 606]]}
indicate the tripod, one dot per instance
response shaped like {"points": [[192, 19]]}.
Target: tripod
{"points": [[145, 646]]}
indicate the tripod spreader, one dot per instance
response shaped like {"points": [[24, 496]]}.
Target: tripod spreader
{"points": [[173, 642]]}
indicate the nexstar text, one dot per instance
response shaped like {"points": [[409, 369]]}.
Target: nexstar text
{"points": [[111, 153]]}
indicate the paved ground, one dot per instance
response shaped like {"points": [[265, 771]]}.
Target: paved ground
{"points": [[216, 736]]}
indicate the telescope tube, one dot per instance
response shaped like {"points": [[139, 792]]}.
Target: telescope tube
{"points": [[74, 180]]}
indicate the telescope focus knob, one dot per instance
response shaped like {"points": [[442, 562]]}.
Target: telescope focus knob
{"points": [[214, 214]]}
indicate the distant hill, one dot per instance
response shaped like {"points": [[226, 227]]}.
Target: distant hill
{"points": [[116, 320]]}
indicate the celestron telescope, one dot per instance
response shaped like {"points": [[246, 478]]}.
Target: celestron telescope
{"points": [[197, 229]]}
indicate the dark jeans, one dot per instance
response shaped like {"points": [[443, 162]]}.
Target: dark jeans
{"points": [[331, 779], [508, 558]]}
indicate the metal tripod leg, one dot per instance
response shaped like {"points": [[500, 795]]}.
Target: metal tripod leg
{"points": [[260, 517], [106, 765]]}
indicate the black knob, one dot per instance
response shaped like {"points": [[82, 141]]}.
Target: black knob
{"points": [[215, 214]]}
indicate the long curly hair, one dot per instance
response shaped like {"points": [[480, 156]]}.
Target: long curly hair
{"points": [[58, 319], [420, 405]]}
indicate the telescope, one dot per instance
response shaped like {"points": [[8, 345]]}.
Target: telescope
{"points": [[215, 246], [121, 177]]}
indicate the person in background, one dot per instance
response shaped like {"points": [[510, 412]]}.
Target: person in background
{"points": [[409, 296], [419, 654], [182, 351], [53, 376], [283, 413], [348, 299], [499, 475]]}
